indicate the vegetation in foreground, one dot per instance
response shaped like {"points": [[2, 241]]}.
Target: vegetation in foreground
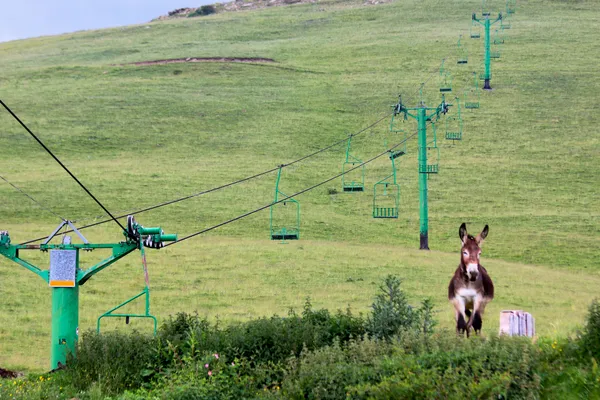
{"points": [[393, 353]]}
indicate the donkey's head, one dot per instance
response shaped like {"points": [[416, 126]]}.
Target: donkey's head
{"points": [[470, 251]]}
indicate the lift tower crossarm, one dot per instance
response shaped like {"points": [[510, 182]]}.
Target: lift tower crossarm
{"points": [[486, 23]]}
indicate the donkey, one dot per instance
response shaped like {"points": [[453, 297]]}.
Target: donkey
{"points": [[471, 287]]}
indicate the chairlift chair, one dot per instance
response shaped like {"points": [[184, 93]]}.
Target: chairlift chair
{"points": [[386, 194], [454, 124], [284, 223], [433, 155], [351, 184], [498, 37], [462, 56], [473, 95], [475, 30], [445, 80]]}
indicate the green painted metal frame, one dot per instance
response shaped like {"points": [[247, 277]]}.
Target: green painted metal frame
{"points": [[349, 185], [473, 93], [146, 293], [432, 167], [65, 300], [499, 36], [462, 53], [475, 31], [445, 79], [454, 134], [387, 190], [511, 6], [284, 232], [422, 115], [487, 23]]}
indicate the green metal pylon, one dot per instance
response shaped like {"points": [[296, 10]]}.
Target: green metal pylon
{"points": [[65, 276], [422, 114], [486, 23]]}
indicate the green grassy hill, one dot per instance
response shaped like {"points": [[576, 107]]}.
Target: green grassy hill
{"points": [[140, 135]]}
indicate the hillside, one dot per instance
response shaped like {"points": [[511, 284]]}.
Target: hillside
{"points": [[139, 135]]}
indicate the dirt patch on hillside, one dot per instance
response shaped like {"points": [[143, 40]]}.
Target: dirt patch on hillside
{"points": [[205, 59], [6, 374]]}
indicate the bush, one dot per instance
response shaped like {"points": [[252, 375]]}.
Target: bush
{"points": [[392, 314], [204, 10], [456, 368], [590, 338], [326, 373], [114, 360]]}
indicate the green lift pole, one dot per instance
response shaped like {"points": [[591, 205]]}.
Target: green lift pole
{"points": [[423, 114], [486, 23], [65, 276]]}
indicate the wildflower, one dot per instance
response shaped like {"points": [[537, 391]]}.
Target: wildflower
{"points": [[232, 364], [209, 373], [216, 356], [205, 365]]}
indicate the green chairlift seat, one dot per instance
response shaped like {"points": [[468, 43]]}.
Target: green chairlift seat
{"points": [[475, 30], [433, 155], [473, 95], [284, 215], [445, 80], [511, 6], [400, 150], [498, 37], [354, 183], [462, 54], [386, 193], [454, 124]]}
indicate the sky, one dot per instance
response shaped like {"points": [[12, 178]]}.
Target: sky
{"points": [[31, 18]]}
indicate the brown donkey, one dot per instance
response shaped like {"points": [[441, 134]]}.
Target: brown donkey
{"points": [[471, 287]]}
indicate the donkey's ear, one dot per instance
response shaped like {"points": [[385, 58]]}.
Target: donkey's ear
{"points": [[480, 238], [462, 232]]}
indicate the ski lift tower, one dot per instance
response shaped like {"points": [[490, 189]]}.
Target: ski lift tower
{"points": [[64, 275], [486, 23], [423, 114]]}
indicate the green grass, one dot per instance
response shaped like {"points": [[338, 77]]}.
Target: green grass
{"points": [[137, 136]]}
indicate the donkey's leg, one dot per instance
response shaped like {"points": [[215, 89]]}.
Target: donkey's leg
{"points": [[478, 322], [461, 320], [475, 321]]}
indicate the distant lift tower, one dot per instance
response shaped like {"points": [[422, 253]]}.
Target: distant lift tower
{"points": [[486, 23]]}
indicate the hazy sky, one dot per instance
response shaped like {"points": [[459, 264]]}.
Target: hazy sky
{"points": [[31, 18]]}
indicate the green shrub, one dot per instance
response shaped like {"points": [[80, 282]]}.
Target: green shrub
{"points": [[262, 340], [392, 314], [326, 373], [450, 367], [114, 360], [203, 10], [590, 338]]}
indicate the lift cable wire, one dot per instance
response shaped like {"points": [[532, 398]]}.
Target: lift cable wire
{"points": [[31, 198], [286, 198], [61, 164], [344, 140]]}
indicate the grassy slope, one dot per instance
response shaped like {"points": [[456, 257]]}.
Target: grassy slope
{"points": [[141, 135]]}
